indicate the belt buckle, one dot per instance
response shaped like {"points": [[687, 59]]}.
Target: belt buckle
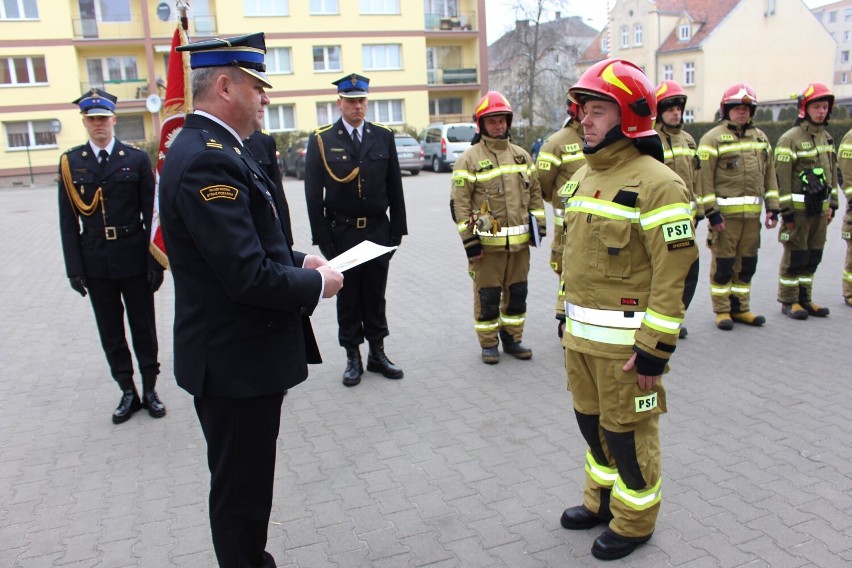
{"points": [[110, 233], [361, 223]]}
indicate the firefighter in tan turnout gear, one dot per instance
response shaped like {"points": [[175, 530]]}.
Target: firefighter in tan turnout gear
{"points": [[845, 162], [496, 203], [680, 156], [558, 159], [806, 165], [737, 175], [629, 245]]}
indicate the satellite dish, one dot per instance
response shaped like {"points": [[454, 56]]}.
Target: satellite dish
{"points": [[153, 103]]}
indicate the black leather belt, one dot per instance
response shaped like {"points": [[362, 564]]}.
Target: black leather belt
{"points": [[112, 233], [357, 222]]}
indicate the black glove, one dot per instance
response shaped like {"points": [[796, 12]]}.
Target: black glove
{"points": [[78, 283], [155, 278], [715, 219], [789, 216], [474, 250], [395, 240], [647, 366], [328, 251], [698, 219], [560, 324]]}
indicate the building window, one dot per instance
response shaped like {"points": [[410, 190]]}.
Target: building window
{"points": [[130, 127], [113, 11], [832, 16], [847, 14], [324, 7], [386, 112], [18, 10], [327, 58], [605, 44], [668, 72], [381, 57], [689, 115], [625, 37], [843, 78], [684, 32], [378, 7], [280, 118], [279, 60], [33, 134], [111, 69], [689, 73], [22, 71], [327, 113], [844, 56], [266, 8], [445, 106], [637, 35]]}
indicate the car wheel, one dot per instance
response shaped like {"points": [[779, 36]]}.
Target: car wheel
{"points": [[300, 174], [436, 165], [414, 172]]}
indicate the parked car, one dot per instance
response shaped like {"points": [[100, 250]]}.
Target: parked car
{"points": [[443, 143], [294, 158], [410, 154]]}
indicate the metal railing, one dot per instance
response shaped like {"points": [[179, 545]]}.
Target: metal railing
{"points": [[462, 21], [90, 28], [125, 90], [452, 75]]}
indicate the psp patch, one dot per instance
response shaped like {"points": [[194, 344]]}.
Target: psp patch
{"points": [[568, 189], [212, 192], [544, 166], [677, 230], [645, 403]]}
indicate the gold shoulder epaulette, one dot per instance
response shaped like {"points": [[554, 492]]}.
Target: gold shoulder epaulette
{"points": [[212, 143], [322, 129], [264, 131], [69, 150], [385, 126]]}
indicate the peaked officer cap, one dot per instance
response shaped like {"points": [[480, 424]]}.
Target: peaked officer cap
{"points": [[246, 52], [96, 102], [353, 86]]}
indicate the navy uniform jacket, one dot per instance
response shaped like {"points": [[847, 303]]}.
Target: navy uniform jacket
{"points": [[241, 297], [127, 183], [381, 181], [262, 147]]}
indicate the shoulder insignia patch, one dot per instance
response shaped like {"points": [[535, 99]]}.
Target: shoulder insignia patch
{"points": [[807, 145], [211, 143], [264, 131], [212, 192], [846, 154], [542, 165], [568, 189], [323, 128], [726, 137], [677, 230], [385, 126], [572, 147], [782, 157], [520, 160], [484, 164]]}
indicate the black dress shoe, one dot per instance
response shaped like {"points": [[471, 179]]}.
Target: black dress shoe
{"points": [[611, 546], [151, 401], [579, 518], [378, 362], [128, 404], [354, 367]]}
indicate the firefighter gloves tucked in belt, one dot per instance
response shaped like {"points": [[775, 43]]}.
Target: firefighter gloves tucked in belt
{"points": [[816, 190]]}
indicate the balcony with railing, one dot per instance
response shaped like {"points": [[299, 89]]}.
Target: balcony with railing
{"points": [[461, 21], [452, 76], [124, 89], [90, 28]]}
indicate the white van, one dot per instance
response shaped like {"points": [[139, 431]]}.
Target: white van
{"points": [[443, 143]]}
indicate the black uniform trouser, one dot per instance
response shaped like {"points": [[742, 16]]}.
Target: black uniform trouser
{"points": [[242, 436], [110, 297], [361, 301]]}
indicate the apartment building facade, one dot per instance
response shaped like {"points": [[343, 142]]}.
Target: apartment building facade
{"points": [[837, 19], [427, 61]]}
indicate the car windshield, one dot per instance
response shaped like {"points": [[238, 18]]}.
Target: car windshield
{"points": [[406, 142], [460, 133]]}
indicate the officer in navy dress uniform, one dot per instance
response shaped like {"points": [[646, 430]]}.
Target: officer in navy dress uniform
{"points": [[242, 295], [106, 199], [352, 181], [262, 146]]}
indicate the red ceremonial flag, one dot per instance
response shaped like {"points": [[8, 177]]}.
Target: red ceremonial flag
{"points": [[175, 107]]}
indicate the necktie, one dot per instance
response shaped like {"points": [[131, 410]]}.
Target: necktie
{"points": [[357, 140], [103, 158]]}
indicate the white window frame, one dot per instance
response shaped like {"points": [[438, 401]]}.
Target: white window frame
{"points": [[10, 65], [684, 32], [605, 43], [382, 57], [100, 15], [625, 37], [31, 135], [285, 114], [22, 9], [387, 111], [689, 115], [844, 56], [846, 36], [266, 8], [378, 7], [324, 8], [847, 14], [689, 73], [105, 75], [327, 113], [843, 78], [279, 61], [668, 72], [326, 60], [638, 35], [832, 16]]}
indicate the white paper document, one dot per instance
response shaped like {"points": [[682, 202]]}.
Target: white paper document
{"points": [[359, 254]]}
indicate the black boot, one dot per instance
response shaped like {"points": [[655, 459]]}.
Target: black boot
{"points": [[354, 368], [611, 545], [378, 362], [150, 400], [515, 348], [128, 404]]}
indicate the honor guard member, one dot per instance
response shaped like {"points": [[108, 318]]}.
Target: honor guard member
{"points": [[629, 245], [806, 166], [680, 155], [496, 202], [558, 159], [846, 231], [262, 146], [352, 182], [242, 294], [737, 177], [106, 199]]}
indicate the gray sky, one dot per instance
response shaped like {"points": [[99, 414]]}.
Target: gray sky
{"points": [[501, 14]]}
